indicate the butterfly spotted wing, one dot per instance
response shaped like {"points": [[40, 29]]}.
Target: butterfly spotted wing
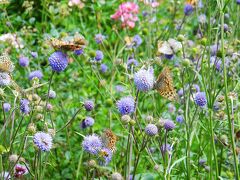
{"points": [[164, 85], [164, 48], [175, 45], [109, 140], [192, 2], [6, 64]]}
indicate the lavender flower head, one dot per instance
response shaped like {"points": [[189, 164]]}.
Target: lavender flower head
{"points": [[151, 130], [119, 88], [144, 80], [58, 61], [89, 105], [238, 2], [87, 122], [99, 55], [92, 144], [116, 176], [200, 99], [34, 54], [169, 125], [126, 105], [43, 141], [180, 119], [5, 79], [105, 156], [23, 61], [52, 94], [6, 107], [166, 148], [99, 38], [79, 52], [20, 170], [132, 62], [24, 106], [188, 9], [137, 40], [104, 68], [35, 74]]}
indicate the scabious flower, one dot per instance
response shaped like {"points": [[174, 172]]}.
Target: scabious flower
{"points": [[132, 62], [58, 61], [119, 88], [238, 2], [188, 9], [6, 107], [144, 80], [151, 130], [116, 176], [200, 99], [166, 148], [99, 55], [23, 61], [87, 122], [34, 54], [99, 38], [20, 170], [24, 106], [127, 14], [126, 105], [43, 141], [105, 156], [92, 144], [35, 74], [89, 105], [180, 119], [5, 79], [52, 94], [137, 40], [202, 18], [79, 52], [104, 68], [169, 125], [180, 92]]}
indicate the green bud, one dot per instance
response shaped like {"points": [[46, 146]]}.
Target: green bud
{"points": [[92, 54], [132, 122], [203, 41], [186, 62], [145, 31], [125, 119], [109, 102], [181, 38]]}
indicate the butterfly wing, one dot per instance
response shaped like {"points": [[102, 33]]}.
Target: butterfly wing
{"points": [[109, 140], [67, 45], [164, 85], [164, 48], [6, 64], [192, 2], [175, 45]]}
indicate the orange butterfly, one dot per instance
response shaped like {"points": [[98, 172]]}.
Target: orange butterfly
{"points": [[109, 139], [164, 85], [6, 65], [192, 2]]}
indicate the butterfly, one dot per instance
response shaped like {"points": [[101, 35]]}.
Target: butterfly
{"points": [[6, 65], [77, 43], [192, 2], [109, 140], [128, 40], [164, 85], [169, 47]]}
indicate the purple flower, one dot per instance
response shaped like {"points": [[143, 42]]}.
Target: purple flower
{"points": [[5, 79], [87, 122], [126, 105], [104, 68], [132, 62], [151, 130], [180, 119], [92, 144], [52, 94], [188, 9], [169, 56], [6, 107], [119, 88], [34, 54], [20, 170], [180, 92], [23, 61], [169, 125], [58, 61], [144, 80], [24, 106], [43, 141], [238, 2], [200, 99], [79, 52], [99, 38], [99, 55], [166, 148], [35, 74], [89, 105], [137, 40], [105, 156]]}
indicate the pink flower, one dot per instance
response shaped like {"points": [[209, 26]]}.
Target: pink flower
{"points": [[155, 4]]}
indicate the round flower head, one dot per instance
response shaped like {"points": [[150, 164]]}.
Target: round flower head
{"points": [[52, 94], [49, 107], [180, 92], [104, 68], [24, 106], [144, 80], [126, 105], [151, 129], [23, 61], [132, 62], [99, 55], [79, 52], [238, 2], [87, 122], [180, 119], [116, 176], [34, 54], [92, 144], [99, 38], [202, 18], [200, 99], [35, 74], [6, 107], [137, 40], [202, 162], [20, 170], [166, 147], [105, 156], [5, 79], [119, 88], [89, 105], [43, 141], [58, 61], [169, 125], [188, 9]]}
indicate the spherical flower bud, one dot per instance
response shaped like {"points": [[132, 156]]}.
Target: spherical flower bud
{"points": [[87, 122], [180, 38], [180, 119], [104, 68], [58, 61], [32, 128], [5, 79], [166, 148], [109, 102], [92, 163], [23, 61], [132, 122], [116, 176], [49, 107], [51, 132], [102, 82], [35, 74], [224, 139], [99, 55], [52, 94], [125, 119], [149, 118], [6, 107], [99, 38], [39, 117], [144, 80], [24, 106], [39, 108], [79, 52], [156, 167], [169, 125], [200, 99], [92, 54], [188, 9], [89, 105], [34, 54], [92, 144], [43, 141], [186, 62], [14, 158], [126, 105], [151, 130]]}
